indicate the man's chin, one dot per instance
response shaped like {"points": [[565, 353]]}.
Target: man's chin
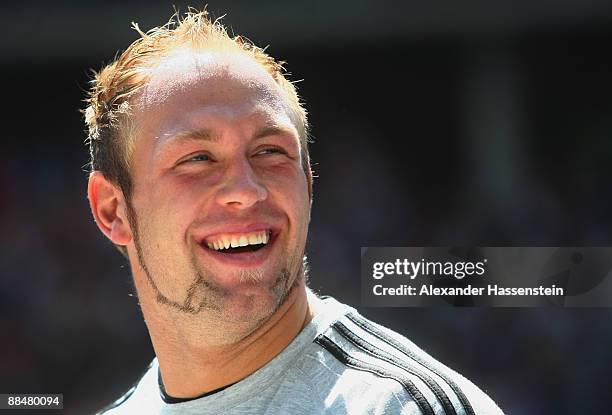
{"points": [[247, 294], [248, 308], [244, 280], [245, 313]]}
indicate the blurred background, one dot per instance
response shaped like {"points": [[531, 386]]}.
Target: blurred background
{"points": [[476, 123]]}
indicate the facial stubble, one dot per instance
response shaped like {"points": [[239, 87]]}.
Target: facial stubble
{"points": [[203, 294]]}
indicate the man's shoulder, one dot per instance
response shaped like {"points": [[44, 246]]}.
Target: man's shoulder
{"points": [[367, 357]]}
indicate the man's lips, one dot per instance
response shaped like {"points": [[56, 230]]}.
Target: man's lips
{"points": [[239, 244], [243, 257], [227, 240], [231, 230]]}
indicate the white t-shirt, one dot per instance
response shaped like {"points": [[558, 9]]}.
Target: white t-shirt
{"points": [[340, 363]]}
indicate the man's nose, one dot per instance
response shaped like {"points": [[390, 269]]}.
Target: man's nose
{"points": [[240, 187]]}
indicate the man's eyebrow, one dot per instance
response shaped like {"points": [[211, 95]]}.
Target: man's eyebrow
{"points": [[273, 129], [206, 134], [203, 134]]}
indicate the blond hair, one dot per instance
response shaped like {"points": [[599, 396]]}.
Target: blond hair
{"points": [[108, 102]]}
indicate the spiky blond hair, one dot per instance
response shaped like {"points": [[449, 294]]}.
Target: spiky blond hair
{"points": [[107, 114]]}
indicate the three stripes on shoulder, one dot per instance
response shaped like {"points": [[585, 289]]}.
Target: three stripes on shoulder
{"points": [[360, 344]]}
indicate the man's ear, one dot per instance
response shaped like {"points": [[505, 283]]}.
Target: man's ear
{"points": [[109, 208]]}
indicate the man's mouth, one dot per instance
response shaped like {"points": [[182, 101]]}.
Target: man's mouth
{"points": [[239, 242]]}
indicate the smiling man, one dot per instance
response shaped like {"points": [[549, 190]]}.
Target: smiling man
{"points": [[201, 177]]}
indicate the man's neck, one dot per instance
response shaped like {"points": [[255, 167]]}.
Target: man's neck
{"points": [[192, 371]]}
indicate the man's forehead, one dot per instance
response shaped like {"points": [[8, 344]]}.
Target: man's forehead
{"points": [[218, 74]]}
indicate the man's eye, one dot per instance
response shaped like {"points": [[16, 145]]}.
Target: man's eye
{"points": [[196, 158], [199, 157], [271, 150]]}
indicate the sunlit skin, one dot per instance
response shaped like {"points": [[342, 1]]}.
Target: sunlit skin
{"points": [[216, 152]]}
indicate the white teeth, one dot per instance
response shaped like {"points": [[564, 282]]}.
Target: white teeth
{"points": [[227, 241]]}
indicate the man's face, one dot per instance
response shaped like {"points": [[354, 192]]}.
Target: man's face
{"points": [[217, 162]]}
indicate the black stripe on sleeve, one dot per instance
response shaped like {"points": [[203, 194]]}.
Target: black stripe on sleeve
{"points": [[350, 361], [378, 353], [375, 331]]}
